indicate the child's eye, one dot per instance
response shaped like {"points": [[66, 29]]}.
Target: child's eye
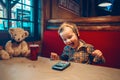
{"points": [[69, 37], [64, 39]]}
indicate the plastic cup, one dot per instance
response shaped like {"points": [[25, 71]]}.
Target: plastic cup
{"points": [[34, 51]]}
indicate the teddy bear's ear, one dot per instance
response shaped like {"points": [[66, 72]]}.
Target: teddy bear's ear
{"points": [[26, 33], [11, 30]]}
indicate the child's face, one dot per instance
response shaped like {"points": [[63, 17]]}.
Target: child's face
{"points": [[69, 37]]}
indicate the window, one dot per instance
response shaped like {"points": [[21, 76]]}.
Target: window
{"points": [[25, 14]]}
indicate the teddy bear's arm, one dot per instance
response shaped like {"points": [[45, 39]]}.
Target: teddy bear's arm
{"points": [[4, 55], [25, 49], [8, 48]]}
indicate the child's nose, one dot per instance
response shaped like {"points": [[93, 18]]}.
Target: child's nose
{"points": [[68, 41]]}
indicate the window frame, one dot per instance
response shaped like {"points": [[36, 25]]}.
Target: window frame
{"points": [[5, 36]]}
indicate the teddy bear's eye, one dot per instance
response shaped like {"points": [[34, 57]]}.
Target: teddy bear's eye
{"points": [[22, 35], [14, 34]]}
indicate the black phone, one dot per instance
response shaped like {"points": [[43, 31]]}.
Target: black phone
{"points": [[61, 65]]}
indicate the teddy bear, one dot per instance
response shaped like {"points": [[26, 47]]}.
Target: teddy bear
{"points": [[17, 46]]}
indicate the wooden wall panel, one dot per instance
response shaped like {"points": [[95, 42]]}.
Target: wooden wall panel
{"points": [[52, 11], [60, 13]]}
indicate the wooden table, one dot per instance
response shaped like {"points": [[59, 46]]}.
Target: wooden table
{"points": [[25, 69]]}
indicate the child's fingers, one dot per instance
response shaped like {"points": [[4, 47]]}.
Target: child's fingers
{"points": [[54, 56], [97, 53]]}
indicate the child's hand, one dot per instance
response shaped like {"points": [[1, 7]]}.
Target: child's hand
{"points": [[97, 53], [54, 56], [98, 56]]}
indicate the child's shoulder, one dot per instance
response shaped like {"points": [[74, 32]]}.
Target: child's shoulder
{"points": [[85, 44]]}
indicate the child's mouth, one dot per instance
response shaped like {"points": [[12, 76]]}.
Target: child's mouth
{"points": [[72, 44]]}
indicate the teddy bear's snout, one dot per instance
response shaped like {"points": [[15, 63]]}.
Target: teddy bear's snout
{"points": [[18, 39]]}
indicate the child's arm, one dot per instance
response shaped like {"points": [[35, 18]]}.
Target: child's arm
{"points": [[55, 56], [96, 55], [64, 56], [99, 58]]}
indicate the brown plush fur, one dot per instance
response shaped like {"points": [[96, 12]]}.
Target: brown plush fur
{"points": [[17, 46]]}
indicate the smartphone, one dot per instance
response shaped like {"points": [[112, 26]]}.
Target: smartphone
{"points": [[61, 65]]}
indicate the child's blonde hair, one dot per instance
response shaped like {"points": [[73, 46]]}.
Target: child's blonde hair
{"points": [[70, 25]]}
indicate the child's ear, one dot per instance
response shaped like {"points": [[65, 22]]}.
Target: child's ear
{"points": [[78, 34], [77, 31]]}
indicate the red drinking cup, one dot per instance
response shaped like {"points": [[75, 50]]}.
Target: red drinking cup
{"points": [[34, 51]]}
